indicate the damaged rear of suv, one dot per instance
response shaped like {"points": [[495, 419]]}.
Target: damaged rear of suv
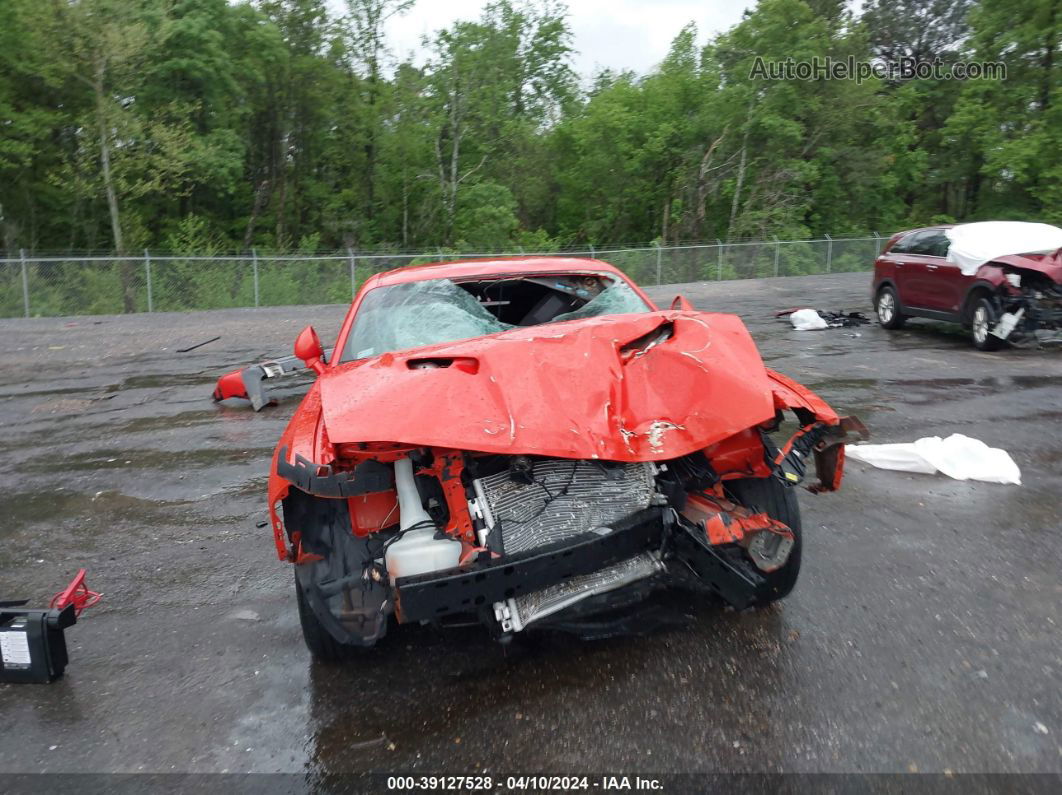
{"points": [[525, 443]]}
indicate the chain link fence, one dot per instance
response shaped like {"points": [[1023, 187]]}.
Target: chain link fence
{"points": [[39, 286]]}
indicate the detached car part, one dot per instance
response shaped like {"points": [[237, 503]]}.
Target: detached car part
{"points": [[32, 643], [249, 382], [525, 443]]}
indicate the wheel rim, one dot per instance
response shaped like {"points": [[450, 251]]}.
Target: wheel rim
{"points": [[980, 324], [886, 307]]}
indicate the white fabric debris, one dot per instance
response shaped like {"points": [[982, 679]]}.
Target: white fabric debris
{"points": [[807, 320], [972, 245], [958, 457]]}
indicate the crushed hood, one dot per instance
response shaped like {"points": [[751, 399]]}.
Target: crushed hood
{"points": [[609, 387]]}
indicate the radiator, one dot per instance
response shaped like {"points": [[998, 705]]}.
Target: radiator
{"points": [[533, 606], [565, 499]]}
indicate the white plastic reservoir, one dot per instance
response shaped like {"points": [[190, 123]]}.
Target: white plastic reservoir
{"points": [[417, 551]]}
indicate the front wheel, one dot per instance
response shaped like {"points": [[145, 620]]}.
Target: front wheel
{"points": [[887, 307], [778, 500], [318, 639], [981, 322]]}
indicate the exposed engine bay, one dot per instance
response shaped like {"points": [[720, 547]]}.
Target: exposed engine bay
{"points": [[1029, 303]]}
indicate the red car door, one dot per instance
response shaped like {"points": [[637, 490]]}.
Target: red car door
{"points": [[890, 263], [954, 284], [949, 287], [912, 275], [943, 285]]}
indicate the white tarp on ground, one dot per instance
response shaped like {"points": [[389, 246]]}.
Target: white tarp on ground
{"points": [[958, 456], [972, 245], [807, 320]]}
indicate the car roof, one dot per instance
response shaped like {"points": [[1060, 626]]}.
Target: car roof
{"points": [[932, 228], [492, 267]]}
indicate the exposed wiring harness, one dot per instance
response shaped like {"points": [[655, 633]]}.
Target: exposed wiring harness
{"points": [[550, 496]]}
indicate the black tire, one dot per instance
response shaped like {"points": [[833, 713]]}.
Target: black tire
{"points": [[887, 308], [983, 316], [778, 501], [318, 639]]}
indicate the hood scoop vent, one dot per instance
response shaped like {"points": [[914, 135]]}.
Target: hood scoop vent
{"points": [[467, 364]]}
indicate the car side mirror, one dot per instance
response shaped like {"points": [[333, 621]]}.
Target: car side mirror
{"points": [[308, 348], [680, 302]]}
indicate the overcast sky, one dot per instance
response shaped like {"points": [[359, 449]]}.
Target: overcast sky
{"points": [[618, 34]]}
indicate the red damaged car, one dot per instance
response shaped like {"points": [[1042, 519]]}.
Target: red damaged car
{"points": [[1002, 280], [530, 442]]}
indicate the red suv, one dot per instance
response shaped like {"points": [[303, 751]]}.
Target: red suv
{"points": [[1009, 298]]}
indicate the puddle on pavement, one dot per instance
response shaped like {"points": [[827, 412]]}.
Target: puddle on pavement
{"points": [[1035, 381], [843, 383], [26, 393], [184, 419], [58, 431], [22, 510], [485, 688], [166, 380], [476, 685], [923, 391], [175, 461]]}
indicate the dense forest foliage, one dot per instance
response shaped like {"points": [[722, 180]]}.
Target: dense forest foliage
{"points": [[209, 126]]}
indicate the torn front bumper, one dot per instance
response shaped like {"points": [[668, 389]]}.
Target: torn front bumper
{"points": [[1030, 318], [525, 587]]}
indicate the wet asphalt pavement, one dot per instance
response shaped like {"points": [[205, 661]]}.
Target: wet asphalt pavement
{"points": [[923, 634]]}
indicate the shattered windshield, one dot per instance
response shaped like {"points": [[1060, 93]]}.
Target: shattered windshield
{"points": [[616, 299], [429, 312]]}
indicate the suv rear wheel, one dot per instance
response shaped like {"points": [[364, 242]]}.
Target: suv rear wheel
{"points": [[983, 318], [887, 307]]}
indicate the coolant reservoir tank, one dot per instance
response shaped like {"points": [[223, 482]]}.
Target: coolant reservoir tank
{"points": [[418, 551]]}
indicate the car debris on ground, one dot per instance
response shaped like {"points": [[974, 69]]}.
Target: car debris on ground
{"points": [[808, 319], [198, 345], [958, 456], [32, 643], [532, 442], [248, 382]]}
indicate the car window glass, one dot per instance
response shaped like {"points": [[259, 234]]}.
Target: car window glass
{"points": [[425, 313], [617, 299], [415, 314], [903, 245], [937, 246], [923, 243]]}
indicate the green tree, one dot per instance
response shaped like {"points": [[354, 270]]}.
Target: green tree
{"points": [[120, 149], [486, 220], [492, 84], [1012, 128]]}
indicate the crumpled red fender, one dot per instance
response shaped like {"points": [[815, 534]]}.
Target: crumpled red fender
{"points": [[726, 522]]}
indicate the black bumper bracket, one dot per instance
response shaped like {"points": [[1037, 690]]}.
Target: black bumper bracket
{"points": [[732, 578], [432, 596]]}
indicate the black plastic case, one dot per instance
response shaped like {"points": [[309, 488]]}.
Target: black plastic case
{"points": [[32, 645]]}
